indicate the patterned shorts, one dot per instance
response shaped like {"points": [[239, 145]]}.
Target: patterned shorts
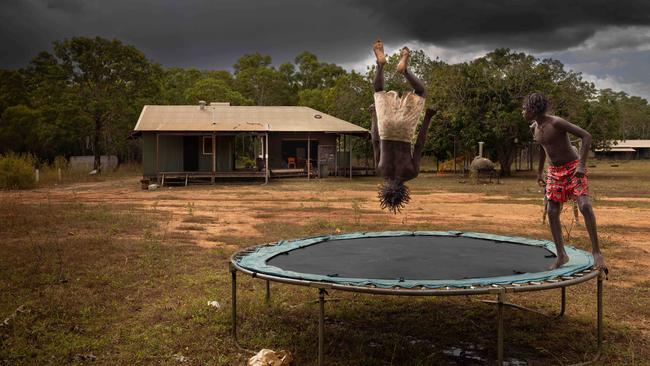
{"points": [[561, 185]]}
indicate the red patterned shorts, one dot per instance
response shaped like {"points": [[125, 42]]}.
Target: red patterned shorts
{"points": [[561, 185]]}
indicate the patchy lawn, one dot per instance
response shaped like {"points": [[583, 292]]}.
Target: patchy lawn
{"points": [[103, 273]]}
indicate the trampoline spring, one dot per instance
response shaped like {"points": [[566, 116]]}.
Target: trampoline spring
{"points": [[579, 274], [535, 283]]}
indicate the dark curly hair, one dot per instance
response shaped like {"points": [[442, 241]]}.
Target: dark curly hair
{"points": [[536, 103], [393, 195]]}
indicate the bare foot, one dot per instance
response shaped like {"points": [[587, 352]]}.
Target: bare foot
{"points": [[378, 47], [599, 263], [403, 60], [561, 260]]}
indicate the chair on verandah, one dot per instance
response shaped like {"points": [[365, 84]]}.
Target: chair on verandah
{"points": [[291, 161]]}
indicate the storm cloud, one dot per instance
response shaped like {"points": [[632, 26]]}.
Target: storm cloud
{"points": [[537, 25], [210, 34]]}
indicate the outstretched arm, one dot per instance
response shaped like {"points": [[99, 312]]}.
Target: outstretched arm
{"points": [[421, 139], [374, 134], [584, 146]]}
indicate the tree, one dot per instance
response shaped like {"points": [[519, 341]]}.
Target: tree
{"points": [[313, 74], [482, 101], [634, 113], [602, 118], [214, 90], [257, 80], [174, 84], [105, 81], [12, 89], [18, 129]]}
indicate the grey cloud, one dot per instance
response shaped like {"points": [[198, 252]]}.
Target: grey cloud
{"points": [[620, 39], [199, 33], [539, 25], [68, 6]]}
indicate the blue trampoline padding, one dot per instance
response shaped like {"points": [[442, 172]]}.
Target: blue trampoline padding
{"points": [[257, 261]]}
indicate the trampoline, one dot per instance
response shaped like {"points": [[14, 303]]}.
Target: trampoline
{"points": [[421, 263]]}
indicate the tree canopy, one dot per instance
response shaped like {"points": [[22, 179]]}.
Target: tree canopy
{"points": [[86, 95]]}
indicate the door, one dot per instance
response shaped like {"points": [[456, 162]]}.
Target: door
{"points": [[190, 153]]}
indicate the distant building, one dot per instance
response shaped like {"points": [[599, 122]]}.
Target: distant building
{"points": [[626, 150], [87, 162], [214, 141]]}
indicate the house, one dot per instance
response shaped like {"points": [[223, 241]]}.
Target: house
{"points": [[223, 141], [625, 150]]}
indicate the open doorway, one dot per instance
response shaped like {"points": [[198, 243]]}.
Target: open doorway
{"points": [[294, 153], [190, 153]]}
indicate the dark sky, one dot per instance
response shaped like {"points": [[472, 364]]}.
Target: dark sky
{"points": [[607, 40]]}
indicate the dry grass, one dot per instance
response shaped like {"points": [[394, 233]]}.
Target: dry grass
{"points": [[115, 283]]}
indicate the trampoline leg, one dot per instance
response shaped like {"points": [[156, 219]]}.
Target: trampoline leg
{"points": [[321, 325], [599, 294], [599, 323], [500, 305], [268, 292], [233, 274], [563, 306]]}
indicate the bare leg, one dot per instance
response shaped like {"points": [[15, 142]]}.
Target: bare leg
{"points": [[554, 209], [584, 204], [374, 133], [378, 48], [379, 78], [416, 84], [402, 67]]}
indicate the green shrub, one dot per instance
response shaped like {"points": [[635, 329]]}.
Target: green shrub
{"points": [[16, 171], [60, 162], [245, 161]]}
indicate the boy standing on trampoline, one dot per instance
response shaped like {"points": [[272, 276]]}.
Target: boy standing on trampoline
{"points": [[566, 176], [394, 121]]}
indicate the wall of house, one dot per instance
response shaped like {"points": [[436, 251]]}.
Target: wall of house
{"points": [[148, 154], [205, 160], [171, 153], [225, 153]]}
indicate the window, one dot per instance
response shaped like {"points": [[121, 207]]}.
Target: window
{"points": [[207, 145]]}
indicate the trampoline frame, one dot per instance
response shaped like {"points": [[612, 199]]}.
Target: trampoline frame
{"points": [[501, 292]]}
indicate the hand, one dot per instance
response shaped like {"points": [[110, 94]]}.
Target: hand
{"points": [[580, 171], [540, 180]]}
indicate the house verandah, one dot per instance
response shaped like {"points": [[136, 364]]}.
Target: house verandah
{"points": [[213, 151]]}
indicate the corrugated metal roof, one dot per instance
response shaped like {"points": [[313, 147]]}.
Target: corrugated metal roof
{"points": [[617, 149], [644, 144], [240, 118]]}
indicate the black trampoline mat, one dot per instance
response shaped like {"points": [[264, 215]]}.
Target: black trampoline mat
{"points": [[415, 258]]}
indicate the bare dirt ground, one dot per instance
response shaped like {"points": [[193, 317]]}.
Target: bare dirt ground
{"points": [[206, 213], [182, 237]]}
